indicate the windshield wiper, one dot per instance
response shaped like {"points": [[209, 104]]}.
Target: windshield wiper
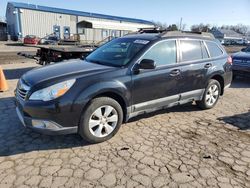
{"points": [[94, 61], [101, 63]]}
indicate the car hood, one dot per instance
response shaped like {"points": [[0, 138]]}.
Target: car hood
{"points": [[64, 70], [241, 55]]}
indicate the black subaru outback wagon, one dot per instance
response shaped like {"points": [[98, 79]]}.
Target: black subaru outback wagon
{"points": [[126, 77]]}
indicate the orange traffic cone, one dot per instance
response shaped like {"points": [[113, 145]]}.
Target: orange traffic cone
{"points": [[3, 82]]}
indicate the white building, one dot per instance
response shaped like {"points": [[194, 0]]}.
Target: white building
{"points": [[27, 19]]}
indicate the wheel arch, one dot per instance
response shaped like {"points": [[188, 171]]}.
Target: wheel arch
{"points": [[117, 97], [220, 79], [112, 90]]}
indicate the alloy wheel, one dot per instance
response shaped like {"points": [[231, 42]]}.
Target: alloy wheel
{"points": [[212, 95], [103, 121]]}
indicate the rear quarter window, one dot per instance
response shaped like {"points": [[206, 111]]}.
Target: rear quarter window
{"points": [[214, 49]]}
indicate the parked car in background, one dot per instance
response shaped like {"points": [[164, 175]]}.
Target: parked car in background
{"points": [[125, 77], [31, 39], [241, 63], [49, 40], [243, 42]]}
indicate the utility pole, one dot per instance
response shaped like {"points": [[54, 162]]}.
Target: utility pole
{"points": [[180, 25]]}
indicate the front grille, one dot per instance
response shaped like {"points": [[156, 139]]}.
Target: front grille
{"points": [[22, 93], [22, 90]]}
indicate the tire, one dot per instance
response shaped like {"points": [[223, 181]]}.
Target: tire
{"points": [[95, 125], [209, 100]]}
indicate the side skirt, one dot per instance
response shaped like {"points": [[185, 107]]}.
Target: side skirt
{"points": [[164, 103]]}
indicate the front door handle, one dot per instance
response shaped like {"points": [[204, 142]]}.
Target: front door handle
{"points": [[175, 72], [208, 65]]}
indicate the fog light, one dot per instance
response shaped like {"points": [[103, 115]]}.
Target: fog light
{"points": [[44, 124]]}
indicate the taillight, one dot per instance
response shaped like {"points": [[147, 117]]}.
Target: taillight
{"points": [[230, 60]]}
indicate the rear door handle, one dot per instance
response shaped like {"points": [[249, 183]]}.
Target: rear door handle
{"points": [[208, 65], [175, 72]]}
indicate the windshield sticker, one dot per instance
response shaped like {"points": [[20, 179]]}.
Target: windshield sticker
{"points": [[141, 41]]}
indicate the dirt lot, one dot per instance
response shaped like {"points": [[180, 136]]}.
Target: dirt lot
{"points": [[233, 49], [9, 50], [178, 147]]}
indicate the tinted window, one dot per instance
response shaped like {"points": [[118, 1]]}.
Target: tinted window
{"points": [[191, 50], [214, 50], [163, 53]]}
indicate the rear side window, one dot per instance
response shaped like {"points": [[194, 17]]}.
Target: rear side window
{"points": [[163, 53], [191, 50], [214, 49]]}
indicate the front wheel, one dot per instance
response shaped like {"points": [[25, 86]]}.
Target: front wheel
{"points": [[101, 120], [211, 95]]}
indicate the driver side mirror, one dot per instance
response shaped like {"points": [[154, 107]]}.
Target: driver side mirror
{"points": [[147, 64]]}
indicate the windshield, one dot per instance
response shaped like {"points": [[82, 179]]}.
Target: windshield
{"points": [[118, 52]]}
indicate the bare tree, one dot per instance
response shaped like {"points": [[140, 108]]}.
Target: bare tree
{"points": [[239, 28], [183, 27], [172, 27], [200, 28], [161, 25]]}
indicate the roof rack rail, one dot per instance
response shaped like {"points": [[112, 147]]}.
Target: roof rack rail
{"points": [[167, 33], [152, 30], [155, 30], [190, 33]]}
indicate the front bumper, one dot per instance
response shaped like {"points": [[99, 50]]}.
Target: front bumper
{"points": [[44, 126]]}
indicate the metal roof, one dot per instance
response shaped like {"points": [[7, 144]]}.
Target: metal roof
{"points": [[230, 33], [77, 13]]}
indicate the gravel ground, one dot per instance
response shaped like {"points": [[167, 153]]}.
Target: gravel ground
{"points": [[179, 147]]}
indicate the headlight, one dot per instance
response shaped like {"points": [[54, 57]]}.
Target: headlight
{"points": [[52, 92]]}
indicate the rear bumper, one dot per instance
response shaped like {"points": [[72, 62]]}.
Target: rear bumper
{"points": [[241, 73], [44, 126], [241, 70]]}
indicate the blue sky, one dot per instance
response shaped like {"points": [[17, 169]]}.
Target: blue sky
{"points": [[214, 12]]}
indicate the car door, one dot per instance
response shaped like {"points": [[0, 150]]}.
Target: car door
{"points": [[157, 87], [194, 64]]}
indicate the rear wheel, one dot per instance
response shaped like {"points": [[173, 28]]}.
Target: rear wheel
{"points": [[211, 95], [101, 120]]}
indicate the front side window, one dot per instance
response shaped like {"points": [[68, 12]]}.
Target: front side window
{"points": [[214, 49], [118, 52], [191, 50], [163, 53]]}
